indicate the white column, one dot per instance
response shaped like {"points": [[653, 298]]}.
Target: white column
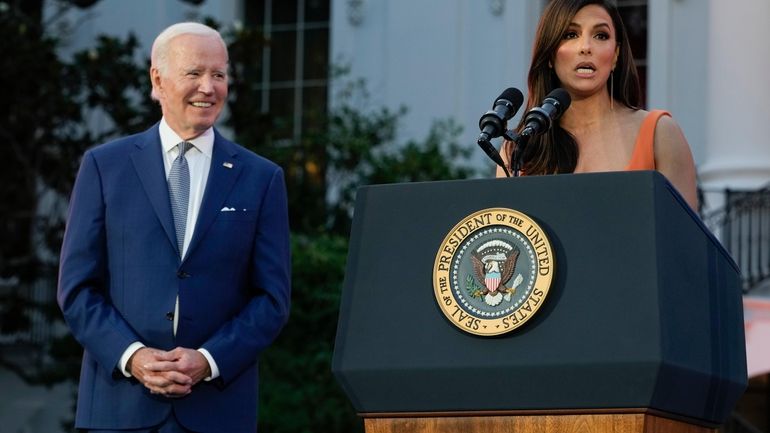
{"points": [[738, 119]]}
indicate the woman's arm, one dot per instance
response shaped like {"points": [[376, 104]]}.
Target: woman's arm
{"points": [[673, 159]]}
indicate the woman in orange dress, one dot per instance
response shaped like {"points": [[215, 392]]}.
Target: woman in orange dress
{"points": [[582, 47]]}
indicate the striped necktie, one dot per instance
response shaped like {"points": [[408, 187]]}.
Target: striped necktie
{"points": [[179, 192]]}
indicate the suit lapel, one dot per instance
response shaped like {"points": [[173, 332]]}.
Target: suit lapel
{"points": [[148, 162], [223, 173]]}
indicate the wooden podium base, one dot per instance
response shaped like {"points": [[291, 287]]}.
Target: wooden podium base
{"points": [[564, 423]]}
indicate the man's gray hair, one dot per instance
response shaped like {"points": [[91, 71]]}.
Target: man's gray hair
{"points": [[160, 48]]}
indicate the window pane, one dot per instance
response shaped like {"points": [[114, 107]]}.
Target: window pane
{"points": [[282, 56], [282, 111], [316, 10], [284, 11], [316, 54], [254, 12]]}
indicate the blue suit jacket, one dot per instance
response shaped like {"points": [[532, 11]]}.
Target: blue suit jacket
{"points": [[120, 274]]}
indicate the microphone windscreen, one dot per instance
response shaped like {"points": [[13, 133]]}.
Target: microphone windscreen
{"points": [[562, 96], [514, 96]]}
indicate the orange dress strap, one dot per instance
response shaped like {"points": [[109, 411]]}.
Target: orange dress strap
{"points": [[643, 157]]}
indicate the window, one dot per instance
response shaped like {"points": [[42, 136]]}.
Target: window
{"points": [[293, 77]]}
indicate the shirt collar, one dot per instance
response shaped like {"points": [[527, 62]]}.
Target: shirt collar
{"points": [[169, 139]]}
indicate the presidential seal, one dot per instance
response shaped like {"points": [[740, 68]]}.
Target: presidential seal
{"points": [[493, 271]]}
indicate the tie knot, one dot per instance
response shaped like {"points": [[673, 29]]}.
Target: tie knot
{"points": [[184, 146]]}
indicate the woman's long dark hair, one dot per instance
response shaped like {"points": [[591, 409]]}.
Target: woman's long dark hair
{"points": [[556, 151]]}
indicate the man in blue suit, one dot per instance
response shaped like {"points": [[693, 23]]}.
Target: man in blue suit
{"points": [[174, 272]]}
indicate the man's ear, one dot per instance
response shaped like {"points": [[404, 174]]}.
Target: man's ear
{"points": [[156, 82]]}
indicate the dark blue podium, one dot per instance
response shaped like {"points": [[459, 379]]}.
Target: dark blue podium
{"points": [[644, 315]]}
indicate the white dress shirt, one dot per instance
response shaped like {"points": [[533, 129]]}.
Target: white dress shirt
{"points": [[199, 163]]}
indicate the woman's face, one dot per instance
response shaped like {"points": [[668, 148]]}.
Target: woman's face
{"points": [[588, 52]]}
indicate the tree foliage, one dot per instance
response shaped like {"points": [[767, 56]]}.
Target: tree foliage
{"points": [[60, 107], [355, 146]]}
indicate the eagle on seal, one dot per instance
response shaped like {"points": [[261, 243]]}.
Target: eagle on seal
{"points": [[493, 275]]}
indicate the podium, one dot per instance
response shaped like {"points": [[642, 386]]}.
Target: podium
{"points": [[641, 330]]}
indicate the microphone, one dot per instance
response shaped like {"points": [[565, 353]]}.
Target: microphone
{"points": [[492, 123], [540, 119]]}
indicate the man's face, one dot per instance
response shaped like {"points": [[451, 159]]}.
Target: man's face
{"points": [[193, 89]]}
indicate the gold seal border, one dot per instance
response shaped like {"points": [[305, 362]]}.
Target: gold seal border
{"points": [[544, 261]]}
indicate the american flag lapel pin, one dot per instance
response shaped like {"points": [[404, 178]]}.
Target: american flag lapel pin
{"points": [[227, 164]]}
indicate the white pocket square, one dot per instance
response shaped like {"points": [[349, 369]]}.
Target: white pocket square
{"points": [[228, 209]]}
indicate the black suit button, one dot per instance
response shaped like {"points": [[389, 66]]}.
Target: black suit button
{"points": [[182, 274], [170, 315]]}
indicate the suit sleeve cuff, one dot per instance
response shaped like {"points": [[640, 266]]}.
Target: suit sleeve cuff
{"points": [[123, 363], [212, 364]]}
